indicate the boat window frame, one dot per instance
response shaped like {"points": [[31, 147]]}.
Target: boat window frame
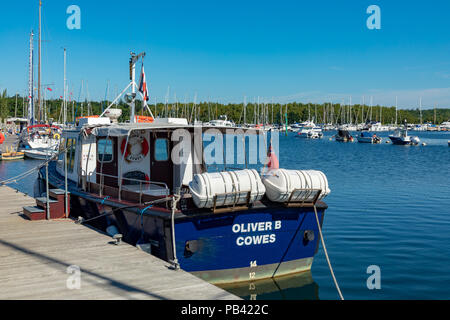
{"points": [[71, 153], [112, 151]]}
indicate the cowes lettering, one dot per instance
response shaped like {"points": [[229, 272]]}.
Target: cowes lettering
{"points": [[256, 227]]}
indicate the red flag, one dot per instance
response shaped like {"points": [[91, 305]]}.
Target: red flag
{"points": [[143, 85], [273, 160], [49, 89]]}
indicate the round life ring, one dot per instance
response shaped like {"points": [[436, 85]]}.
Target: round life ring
{"points": [[57, 136], [133, 141]]}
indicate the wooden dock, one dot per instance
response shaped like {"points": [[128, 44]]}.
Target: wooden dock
{"points": [[39, 261]]}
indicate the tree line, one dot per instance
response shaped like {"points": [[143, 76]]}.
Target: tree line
{"points": [[16, 106]]}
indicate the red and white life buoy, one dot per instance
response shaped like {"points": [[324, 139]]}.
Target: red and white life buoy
{"points": [[136, 149]]}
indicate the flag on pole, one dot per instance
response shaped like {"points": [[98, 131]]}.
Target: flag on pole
{"points": [[272, 160], [49, 89], [143, 85]]}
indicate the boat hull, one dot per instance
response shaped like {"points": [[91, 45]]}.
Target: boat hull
{"points": [[11, 157], [400, 141], [231, 247], [38, 155], [340, 139], [369, 140], [248, 246]]}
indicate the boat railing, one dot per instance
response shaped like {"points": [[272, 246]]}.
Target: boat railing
{"points": [[309, 198], [160, 189]]}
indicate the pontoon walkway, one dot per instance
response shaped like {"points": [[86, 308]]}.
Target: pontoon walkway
{"points": [[35, 257]]}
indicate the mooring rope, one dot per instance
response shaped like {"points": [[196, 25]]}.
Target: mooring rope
{"points": [[31, 171], [326, 254]]}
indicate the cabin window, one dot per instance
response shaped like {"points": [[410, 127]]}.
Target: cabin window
{"points": [[105, 151], [71, 147], [161, 151]]}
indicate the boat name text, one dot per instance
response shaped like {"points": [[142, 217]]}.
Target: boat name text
{"points": [[256, 227]]}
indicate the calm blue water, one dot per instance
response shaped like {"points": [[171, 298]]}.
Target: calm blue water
{"points": [[390, 207], [14, 168]]}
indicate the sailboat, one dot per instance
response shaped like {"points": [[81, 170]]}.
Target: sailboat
{"points": [[41, 138]]}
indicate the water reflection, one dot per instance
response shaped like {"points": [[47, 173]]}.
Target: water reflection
{"points": [[297, 287]]}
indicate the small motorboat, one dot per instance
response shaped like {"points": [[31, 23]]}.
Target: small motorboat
{"points": [[11, 156], [401, 137], [343, 136], [310, 131], [367, 137]]}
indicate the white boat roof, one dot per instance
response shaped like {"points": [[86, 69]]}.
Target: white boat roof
{"points": [[124, 129]]}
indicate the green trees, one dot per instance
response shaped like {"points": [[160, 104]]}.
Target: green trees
{"points": [[205, 111], [4, 112]]}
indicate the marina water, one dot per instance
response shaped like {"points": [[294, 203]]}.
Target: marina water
{"points": [[389, 207]]}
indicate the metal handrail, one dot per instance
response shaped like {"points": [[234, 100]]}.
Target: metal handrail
{"points": [[141, 183]]}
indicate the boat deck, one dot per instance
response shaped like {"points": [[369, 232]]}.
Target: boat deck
{"points": [[37, 259]]}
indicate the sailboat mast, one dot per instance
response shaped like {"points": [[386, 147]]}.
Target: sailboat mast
{"points": [[421, 119], [39, 61], [31, 84], [245, 110], [65, 85], [396, 111]]}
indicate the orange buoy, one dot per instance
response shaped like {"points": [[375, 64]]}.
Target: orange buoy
{"points": [[2, 138]]}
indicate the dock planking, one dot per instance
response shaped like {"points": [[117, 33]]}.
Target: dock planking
{"points": [[36, 260]]}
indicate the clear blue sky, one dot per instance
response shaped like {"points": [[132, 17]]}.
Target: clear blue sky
{"points": [[224, 50]]}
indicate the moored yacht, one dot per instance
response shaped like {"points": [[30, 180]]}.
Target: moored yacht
{"points": [[343, 136], [151, 184], [401, 137], [367, 137], [40, 137], [311, 131], [221, 122]]}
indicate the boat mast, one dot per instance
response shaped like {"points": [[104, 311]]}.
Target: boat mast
{"points": [[396, 111], [65, 85], [421, 119], [134, 58], [31, 84], [245, 110], [39, 61]]}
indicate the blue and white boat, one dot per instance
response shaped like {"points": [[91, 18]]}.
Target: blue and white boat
{"points": [[136, 190], [401, 137], [367, 137], [225, 226]]}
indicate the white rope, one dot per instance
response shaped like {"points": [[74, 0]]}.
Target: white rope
{"points": [[326, 255]]}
